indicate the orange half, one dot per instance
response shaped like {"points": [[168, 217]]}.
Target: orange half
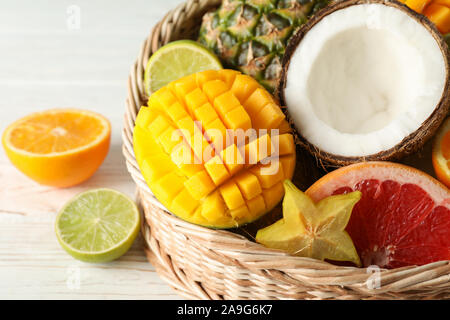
{"points": [[441, 153], [60, 148]]}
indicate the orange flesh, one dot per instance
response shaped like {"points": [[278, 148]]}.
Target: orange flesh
{"points": [[55, 133], [59, 148], [445, 146]]}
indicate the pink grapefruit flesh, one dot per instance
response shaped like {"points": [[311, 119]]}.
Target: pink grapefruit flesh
{"points": [[403, 217]]}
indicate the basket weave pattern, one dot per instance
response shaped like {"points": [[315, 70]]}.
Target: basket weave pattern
{"points": [[200, 263]]}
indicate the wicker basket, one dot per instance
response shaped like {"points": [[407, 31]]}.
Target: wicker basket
{"points": [[200, 263]]}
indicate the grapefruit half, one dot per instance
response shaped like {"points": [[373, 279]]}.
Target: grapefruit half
{"points": [[403, 217]]}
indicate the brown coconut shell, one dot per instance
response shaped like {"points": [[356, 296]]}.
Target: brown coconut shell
{"points": [[410, 144]]}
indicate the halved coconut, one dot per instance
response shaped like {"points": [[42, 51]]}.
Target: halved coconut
{"points": [[366, 80]]}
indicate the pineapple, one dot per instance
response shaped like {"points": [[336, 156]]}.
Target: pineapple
{"points": [[251, 35]]}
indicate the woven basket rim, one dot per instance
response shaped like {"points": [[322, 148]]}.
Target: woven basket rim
{"points": [[324, 280]]}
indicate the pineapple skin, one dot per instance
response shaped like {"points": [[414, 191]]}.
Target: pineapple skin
{"points": [[251, 35]]}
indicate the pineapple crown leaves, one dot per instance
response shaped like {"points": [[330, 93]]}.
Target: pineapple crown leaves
{"points": [[251, 35]]}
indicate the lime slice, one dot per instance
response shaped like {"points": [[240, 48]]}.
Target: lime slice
{"points": [[98, 225], [176, 60]]}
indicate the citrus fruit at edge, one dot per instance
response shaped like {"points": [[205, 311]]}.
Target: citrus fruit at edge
{"points": [[441, 153], [403, 217], [59, 147]]}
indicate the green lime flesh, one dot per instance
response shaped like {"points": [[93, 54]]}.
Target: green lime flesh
{"points": [[98, 225], [177, 60]]}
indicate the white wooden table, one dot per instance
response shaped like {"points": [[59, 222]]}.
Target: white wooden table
{"points": [[68, 53]]}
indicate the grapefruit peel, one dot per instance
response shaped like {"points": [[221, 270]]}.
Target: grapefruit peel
{"points": [[314, 230]]}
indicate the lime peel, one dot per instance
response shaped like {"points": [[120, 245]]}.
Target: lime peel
{"points": [[98, 225], [176, 60]]}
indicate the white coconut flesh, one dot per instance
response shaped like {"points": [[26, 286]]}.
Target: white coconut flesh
{"points": [[364, 78]]}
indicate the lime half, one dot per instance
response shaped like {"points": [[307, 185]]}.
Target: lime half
{"points": [[98, 225], [176, 60]]}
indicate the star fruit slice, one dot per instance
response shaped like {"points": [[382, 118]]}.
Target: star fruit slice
{"points": [[314, 230]]}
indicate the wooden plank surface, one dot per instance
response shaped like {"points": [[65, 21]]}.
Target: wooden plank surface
{"points": [[46, 63]]}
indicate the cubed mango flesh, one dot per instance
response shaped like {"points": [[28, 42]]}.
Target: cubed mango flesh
{"points": [[248, 184], [217, 170], [232, 195], [244, 86], [214, 89], [257, 101], [195, 99], [200, 185], [270, 117], [187, 147]]}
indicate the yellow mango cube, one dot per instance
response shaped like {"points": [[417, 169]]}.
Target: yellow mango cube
{"points": [[269, 118], [248, 184], [156, 167], [145, 117], [162, 98], [200, 185], [217, 171], [237, 119], [184, 204], [240, 212], [213, 207], [184, 86], [257, 205], [182, 154], [158, 126], [232, 195], [205, 114], [232, 159], [206, 76], [170, 138], [273, 196], [244, 86], [195, 99], [147, 146], [228, 76], [269, 174], [167, 187], [286, 144], [200, 146], [259, 149], [214, 88], [187, 127], [257, 101], [217, 134], [288, 163], [284, 127], [177, 111], [225, 103]]}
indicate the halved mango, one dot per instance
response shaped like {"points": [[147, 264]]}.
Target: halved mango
{"points": [[193, 146]]}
